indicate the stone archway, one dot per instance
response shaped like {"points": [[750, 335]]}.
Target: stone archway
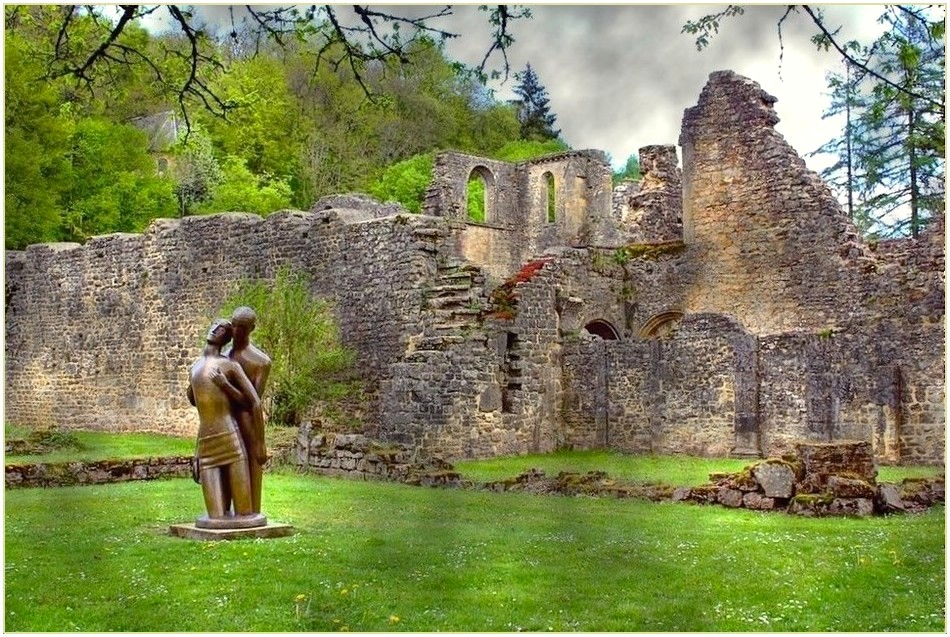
{"points": [[660, 324], [479, 195], [603, 329]]}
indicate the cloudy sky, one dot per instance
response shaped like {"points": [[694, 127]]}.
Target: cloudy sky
{"points": [[620, 76]]}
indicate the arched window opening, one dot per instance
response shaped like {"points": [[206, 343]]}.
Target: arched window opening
{"points": [[476, 194], [551, 197], [603, 329], [661, 325]]}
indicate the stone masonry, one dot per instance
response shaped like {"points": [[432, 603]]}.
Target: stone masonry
{"points": [[726, 308]]}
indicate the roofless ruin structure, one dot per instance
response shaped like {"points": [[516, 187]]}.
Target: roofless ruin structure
{"points": [[728, 308]]}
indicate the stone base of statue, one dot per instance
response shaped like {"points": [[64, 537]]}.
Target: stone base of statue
{"points": [[232, 527], [231, 521]]}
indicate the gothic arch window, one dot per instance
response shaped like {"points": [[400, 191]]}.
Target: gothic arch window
{"points": [[603, 329], [478, 194], [550, 196], [660, 325]]}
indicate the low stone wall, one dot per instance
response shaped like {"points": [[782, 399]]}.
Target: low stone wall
{"points": [[64, 474], [356, 456]]}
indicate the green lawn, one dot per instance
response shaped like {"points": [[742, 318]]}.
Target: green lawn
{"points": [[388, 557], [674, 470], [97, 445]]}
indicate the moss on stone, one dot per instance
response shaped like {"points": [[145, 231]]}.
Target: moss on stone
{"points": [[649, 251]]}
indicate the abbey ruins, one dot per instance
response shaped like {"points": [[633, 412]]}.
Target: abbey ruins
{"points": [[730, 308]]}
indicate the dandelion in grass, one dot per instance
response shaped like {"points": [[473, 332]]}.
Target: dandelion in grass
{"points": [[394, 619], [301, 605]]}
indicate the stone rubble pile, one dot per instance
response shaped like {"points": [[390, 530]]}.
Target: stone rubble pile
{"points": [[592, 483], [821, 479]]}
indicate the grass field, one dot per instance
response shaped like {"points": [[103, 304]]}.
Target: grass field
{"points": [[97, 445], [389, 557]]}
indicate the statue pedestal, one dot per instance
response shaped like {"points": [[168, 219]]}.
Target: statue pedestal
{"points": [[192, 532]]}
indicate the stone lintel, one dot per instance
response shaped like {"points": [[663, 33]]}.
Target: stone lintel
{"points": [[191, 532]]}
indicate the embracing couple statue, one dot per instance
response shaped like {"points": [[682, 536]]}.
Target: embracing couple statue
{"points": [[227, 390]]}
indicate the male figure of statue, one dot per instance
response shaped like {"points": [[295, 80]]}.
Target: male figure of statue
{"points": [[256, 364], [216, 381]]}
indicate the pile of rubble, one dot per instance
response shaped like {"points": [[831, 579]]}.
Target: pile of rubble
{"points": [[821, 479], [592, 483]]}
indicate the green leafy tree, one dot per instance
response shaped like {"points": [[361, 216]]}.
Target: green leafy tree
{"points": [[405, 182], [115, 186], [522, 150], [475, 198], [264, 118], [534, 110], [37, 131], [301, 336], [630, 171], [240, 190], [197, 171], [186, 60]]}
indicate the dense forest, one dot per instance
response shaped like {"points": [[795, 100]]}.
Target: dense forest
{"points": [[267, 125]]}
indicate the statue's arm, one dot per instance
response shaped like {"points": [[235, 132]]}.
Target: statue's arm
{"points": [[243, 383], [261, 381], [191, 395]]}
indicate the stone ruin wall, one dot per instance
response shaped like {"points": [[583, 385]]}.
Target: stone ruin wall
{"points": [[779, 254], [845, 339], [102, 335], [516, 226], [749, 317]]}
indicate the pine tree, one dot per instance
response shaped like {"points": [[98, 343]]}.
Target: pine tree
{"points": [[891, 155], [534, 112]]}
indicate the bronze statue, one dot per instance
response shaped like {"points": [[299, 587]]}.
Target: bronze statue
{"points": [[217, 387], [256, 365]]}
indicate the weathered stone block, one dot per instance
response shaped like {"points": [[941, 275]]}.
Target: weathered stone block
{"points": [[861, 507], [889, 498], [850, 488], [680, 494], [758, 502], [490, 399], [835, 458], [730, 497], [776, 479]]}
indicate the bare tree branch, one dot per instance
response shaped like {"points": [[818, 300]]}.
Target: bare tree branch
{"points": [[829, 37], [373, 36], [128, 13]]}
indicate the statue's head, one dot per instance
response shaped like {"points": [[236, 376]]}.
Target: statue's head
{"points": [[220, 332], [244, 318]]}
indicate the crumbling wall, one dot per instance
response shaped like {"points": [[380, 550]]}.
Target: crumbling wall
{"points": [[519, 222], [770, 235], [102, 335], [650, 210]]}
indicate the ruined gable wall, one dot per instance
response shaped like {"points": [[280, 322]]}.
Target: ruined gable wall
{"points": [[776, 249], [101, 336], [772, 247], [770, 236], [582, 194]]}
